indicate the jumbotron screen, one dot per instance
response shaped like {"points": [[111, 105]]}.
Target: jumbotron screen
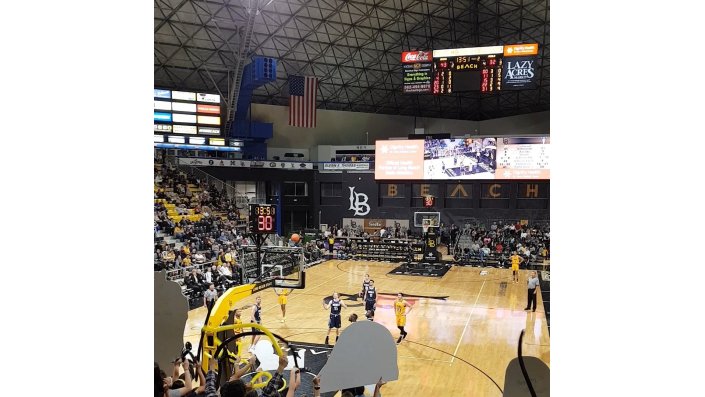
{"points": [[523, 158], [463, 158]]}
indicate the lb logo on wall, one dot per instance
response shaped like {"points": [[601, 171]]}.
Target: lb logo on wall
{"points": [[358, 201]]}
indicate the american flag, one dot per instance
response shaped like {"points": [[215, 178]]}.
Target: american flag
{"points": [[302, 101]]}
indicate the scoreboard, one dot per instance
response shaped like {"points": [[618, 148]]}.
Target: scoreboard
{"points": [[476, 69], [263, 218], [467, 73]]}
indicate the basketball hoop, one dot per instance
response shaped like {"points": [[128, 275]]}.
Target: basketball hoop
{"points": [[426, 224]]}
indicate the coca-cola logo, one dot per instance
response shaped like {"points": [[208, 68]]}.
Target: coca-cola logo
{"points": [[415, 56]]}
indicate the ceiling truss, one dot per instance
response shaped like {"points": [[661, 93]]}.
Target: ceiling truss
{"points": [[352, 46]]}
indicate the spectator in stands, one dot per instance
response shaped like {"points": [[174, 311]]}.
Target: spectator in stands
{"points": [[237, 388], [360, 391], [220, 258], [181, 210], [475, 247], [163, 384], [202, 277], [210, 279], [199, 258], [187, 261], [168, 257], [499, 247], [223, 237], [215, 247], [526, 252], [225, 273], [454, 231], [484, 253], [194, 282], [229, 256]]}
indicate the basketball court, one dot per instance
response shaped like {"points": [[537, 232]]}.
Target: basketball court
{"points": [[463, 328]]}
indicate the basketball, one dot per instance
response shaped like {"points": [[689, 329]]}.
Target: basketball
{"points": [[295, 238]]}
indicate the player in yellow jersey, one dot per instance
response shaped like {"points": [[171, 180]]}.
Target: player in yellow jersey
{"points": [[400, 312], [282, 293], [516, 260], [238, 342]]}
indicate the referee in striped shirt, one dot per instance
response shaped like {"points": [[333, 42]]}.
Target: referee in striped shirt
{"points": [[210, 296]]}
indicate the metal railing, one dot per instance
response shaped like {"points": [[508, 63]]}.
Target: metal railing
{"points": [[230, 191], [181, 272]]}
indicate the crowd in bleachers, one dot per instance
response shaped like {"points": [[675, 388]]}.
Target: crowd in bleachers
{"points": [[185, 374], [199, 228], [499, 241]]}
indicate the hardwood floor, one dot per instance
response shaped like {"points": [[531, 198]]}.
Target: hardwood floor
{"points": [[457, 346]]}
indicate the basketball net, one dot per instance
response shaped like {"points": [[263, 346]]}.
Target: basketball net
{"points": [[425, 225]]}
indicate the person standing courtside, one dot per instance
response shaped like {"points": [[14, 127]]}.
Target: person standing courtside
{"points": [[210, 296], [532, 286]]}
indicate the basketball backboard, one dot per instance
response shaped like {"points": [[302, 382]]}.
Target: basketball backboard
{"points": [[285, 266], [433, 219]]}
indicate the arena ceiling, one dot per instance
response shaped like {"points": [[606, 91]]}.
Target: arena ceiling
{"points": [[352, 46]]}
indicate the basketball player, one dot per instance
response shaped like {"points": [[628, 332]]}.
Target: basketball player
{"points": [[331, 244], [335, 305], [238, 320], [516, 260], [370, 300], [365, 284], [256, 318], [400, 311], [282, 293]]}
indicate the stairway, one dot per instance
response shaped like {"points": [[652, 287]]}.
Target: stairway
{"points": [[169, 239]]}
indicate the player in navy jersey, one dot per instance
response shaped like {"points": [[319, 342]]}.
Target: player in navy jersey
{"points": [[335, 305], [370, 300], [256, 317], [365, 284]]}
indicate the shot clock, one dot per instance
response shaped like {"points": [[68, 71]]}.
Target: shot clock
{"points": [[263, 218]]}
